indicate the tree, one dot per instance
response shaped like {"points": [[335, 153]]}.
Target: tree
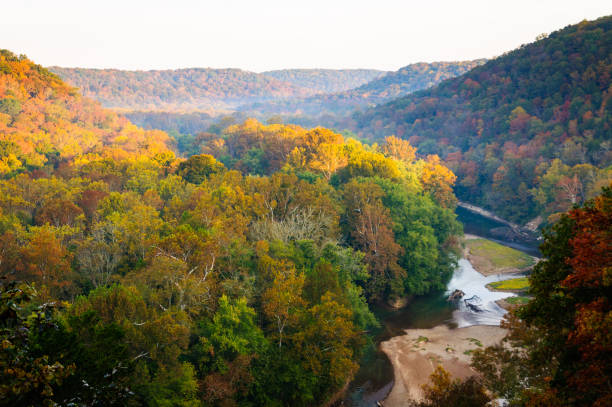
{"points": [[197, 168], [562, 337], [46, 261], [282, 300], [229, 342], [100, 253], [571, 188], [443, 391], [438, 180], [26, 378], [399, 149], [327, 339], [328, 158], [182, 271], [89, 201], [371, 231]]}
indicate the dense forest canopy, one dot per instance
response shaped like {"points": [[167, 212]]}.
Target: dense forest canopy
{"points": [[326, 80], [199, 89], [241, 275], [414, 77], [235, 262], [527, 133], [404, 81], [44, 122], [183, 99]]}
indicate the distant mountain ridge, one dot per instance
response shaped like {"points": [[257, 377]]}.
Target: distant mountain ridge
{"points": [[413, 77], [289, 91], [326, 80], [193, 89], [386, 87]]}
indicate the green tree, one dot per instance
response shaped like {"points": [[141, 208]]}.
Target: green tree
{"points": [[197, 168], [27, 378]]}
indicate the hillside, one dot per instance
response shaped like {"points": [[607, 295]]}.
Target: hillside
{"points": [[206, 89], [326, 80], [527, 133], [170, 97], [196, 89], [412, 78], [391, 85], [43, 121]]}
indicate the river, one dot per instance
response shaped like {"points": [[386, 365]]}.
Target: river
{"points": [[374, 379]]}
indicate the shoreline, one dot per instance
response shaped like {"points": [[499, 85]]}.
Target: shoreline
{"points": [[482, 265], [414, 358], [417, 353], [504, 304]]}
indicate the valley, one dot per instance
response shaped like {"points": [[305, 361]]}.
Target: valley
{"points": [[433, 235]]}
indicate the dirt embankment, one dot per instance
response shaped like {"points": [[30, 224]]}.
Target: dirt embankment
{"points": [[416, 354]]}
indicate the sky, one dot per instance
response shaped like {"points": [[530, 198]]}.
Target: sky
{"points": [[260, 35]]}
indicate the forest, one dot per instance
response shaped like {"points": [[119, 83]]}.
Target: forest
{"points": [[326, 80], [183, 96], [254, 258], [527, 134], [196, 89], [324, 107], [130, 276]]}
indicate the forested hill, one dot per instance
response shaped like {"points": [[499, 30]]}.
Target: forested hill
{"points": [[412, 78], [326, 80], [43, 121], [527, 133], [301, 92], [206, 89], [383, 88], [201, 89]]}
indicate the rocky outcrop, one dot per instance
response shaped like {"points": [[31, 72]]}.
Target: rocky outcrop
{"points": [[455, 296]]}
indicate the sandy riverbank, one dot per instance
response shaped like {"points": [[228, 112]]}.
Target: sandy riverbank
{"points": [[416, 354]]}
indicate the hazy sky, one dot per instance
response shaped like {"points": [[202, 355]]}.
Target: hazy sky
{"points": [[260, 35]]}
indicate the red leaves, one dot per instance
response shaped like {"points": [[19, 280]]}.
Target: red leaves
{"points": [[592, 244], [589, 283]]}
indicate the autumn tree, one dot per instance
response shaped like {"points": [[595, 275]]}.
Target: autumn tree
{"points": [[281, 300], [328, 159], [562, 336], [438, 180], [399, 149], [46, 261], [443, 391], [327, 339], [371, 231]]}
